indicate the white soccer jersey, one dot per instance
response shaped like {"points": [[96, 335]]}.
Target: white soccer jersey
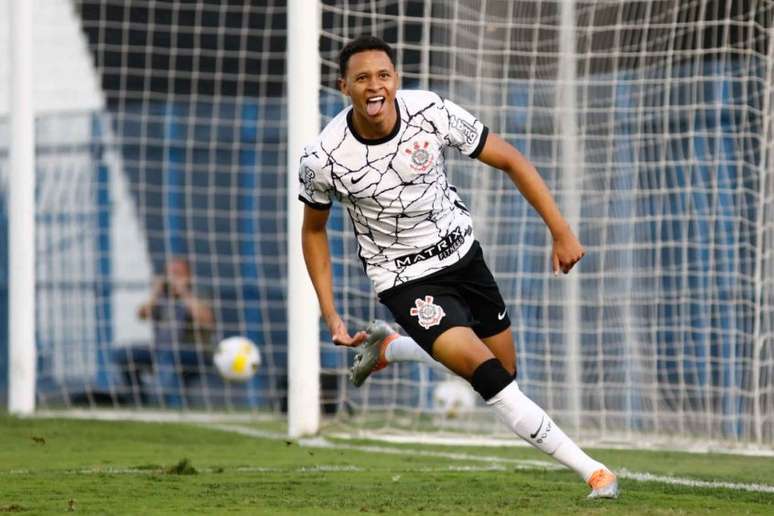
{"points": [[408, 219]]}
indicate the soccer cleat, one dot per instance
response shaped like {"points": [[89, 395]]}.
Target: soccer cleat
{"points": [[603, 484], [371, 358]]}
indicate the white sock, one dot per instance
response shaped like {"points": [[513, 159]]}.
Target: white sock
{"points": [[527, 420], [405, 349]]}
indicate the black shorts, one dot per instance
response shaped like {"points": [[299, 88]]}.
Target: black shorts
{"points": [[464, 294]]}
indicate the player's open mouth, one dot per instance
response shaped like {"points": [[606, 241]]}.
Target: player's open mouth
{"points": [[374, 105]]}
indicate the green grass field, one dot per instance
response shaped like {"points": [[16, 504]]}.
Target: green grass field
{"points": [[55, 466]]}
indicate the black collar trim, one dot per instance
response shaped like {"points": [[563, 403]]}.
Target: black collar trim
{"points": [[376, 141]]}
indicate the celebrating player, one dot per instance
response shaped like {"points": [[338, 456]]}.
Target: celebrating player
{"points": [[383, 158]]}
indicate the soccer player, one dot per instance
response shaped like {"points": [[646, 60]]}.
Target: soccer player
{"points": [[383, 158]]}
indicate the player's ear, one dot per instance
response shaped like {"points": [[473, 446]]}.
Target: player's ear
{"points": [[342, 84]]}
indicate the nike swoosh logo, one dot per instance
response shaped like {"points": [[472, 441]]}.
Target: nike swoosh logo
{"points": [[542, 418], [501, 316], [356, 181]]}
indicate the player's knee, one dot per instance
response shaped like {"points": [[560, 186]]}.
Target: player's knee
{"points": [[511, 368], [490, 377]]}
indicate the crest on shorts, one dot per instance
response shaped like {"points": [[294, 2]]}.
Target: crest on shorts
{"points": [[428, 313], [421, 159]]}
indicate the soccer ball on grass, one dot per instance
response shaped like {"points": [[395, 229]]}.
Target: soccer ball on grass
{"points": [[237, 358]]}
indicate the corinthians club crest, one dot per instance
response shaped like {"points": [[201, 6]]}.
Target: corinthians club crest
{"points": [[421, 160], [428, 313]]}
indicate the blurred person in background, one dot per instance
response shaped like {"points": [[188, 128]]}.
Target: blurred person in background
{"points": [[183, 322]]}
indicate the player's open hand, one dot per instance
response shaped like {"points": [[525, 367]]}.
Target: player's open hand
{"points": [[340, 335], [567, 251]]}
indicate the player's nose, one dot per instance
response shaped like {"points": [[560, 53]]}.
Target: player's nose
{"points": [[373, 85]]}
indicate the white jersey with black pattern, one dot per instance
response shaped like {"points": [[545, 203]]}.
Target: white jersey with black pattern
{"points": [[408, 219]]}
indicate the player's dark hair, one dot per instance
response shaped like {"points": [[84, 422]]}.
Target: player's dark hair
{"points": [[362, 44]]}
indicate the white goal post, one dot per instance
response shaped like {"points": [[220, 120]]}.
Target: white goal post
{"points": [[21, 215], [303, 310]]}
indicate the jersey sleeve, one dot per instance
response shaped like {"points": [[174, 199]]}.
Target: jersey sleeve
{"points": [[462, 130], [315, 190]]}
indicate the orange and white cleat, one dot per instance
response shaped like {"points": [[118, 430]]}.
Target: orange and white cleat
{"points": [[370, 357], [603, 484]]}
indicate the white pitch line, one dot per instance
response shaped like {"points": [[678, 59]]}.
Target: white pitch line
{"points": [[319, 442], [689, 482], [526, 463]]}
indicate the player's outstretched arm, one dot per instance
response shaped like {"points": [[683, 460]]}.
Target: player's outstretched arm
{"points": [[567, 250], [314, 241]]}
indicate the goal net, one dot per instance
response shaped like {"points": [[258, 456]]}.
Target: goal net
{"points": [[651, 122], [177, 155]]}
